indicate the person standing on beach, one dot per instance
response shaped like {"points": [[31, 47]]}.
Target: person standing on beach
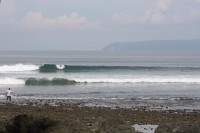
{"points": [[9, 93]]}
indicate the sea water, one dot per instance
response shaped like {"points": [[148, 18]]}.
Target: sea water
{"points": [[103, 78]]}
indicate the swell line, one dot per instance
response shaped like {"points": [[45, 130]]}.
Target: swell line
{"points": [[64, 81], [81, 68]]}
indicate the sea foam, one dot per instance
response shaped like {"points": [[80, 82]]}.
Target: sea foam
{"points": [[18, 68], [11, 81], [143, 80]]}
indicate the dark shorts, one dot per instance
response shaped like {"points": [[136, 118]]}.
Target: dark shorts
{"points": [[8, 97]]}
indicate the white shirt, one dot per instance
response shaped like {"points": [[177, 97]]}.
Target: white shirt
{"points": [[9, 93]]}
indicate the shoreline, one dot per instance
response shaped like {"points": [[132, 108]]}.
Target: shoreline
{"points": [[152, 105], [73, 117]]}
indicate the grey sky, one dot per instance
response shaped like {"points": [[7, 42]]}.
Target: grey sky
{"points": [[92, 24]]}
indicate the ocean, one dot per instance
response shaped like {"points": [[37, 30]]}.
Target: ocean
{"points": [[167, 80]]}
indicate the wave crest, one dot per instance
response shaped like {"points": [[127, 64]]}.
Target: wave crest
{"points": [[44, 81]]}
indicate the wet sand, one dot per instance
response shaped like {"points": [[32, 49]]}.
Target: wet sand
{"points": [[69, 118]]}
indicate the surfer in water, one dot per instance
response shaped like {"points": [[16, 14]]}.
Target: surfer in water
{"points": [[9, 93]]}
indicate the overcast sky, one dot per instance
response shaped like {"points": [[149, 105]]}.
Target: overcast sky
{"points": [[93, 24]]}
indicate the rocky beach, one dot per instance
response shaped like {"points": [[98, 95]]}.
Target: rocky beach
{"points": [[76, 118]]}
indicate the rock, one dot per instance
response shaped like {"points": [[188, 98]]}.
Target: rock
{"points": [[27, 124], [112, 125], [177, 129]]}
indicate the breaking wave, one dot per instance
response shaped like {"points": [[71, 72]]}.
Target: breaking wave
{"points": [[44, 82], [18, 68], [11, 81], [80, 68], [45, 68]]}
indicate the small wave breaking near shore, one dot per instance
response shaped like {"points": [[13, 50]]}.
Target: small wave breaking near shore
{"points": [[44, 81], [64, 81]]}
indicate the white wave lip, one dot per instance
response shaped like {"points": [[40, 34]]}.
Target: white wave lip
{"points": [[18, 68], [60, 66], [11, 81]]}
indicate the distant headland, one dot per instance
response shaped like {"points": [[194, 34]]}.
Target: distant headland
{"points": [[155, 45]]}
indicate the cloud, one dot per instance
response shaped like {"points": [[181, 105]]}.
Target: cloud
{"points": [[195, 14], [163, 5], [7, 12], [37, 18], [130, 19], [37, 21], [152, 18], [198, 1], [177, 19], [158, 15], [10, 18], [7, 9]]}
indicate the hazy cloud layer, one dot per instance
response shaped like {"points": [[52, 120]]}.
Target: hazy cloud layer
{"points": [[92, 24]]}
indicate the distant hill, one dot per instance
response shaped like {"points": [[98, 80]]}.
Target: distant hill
{"points": [[156, 45]]}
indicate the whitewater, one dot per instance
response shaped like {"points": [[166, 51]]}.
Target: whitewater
{"points": [[99, 78], [93, 74]]}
